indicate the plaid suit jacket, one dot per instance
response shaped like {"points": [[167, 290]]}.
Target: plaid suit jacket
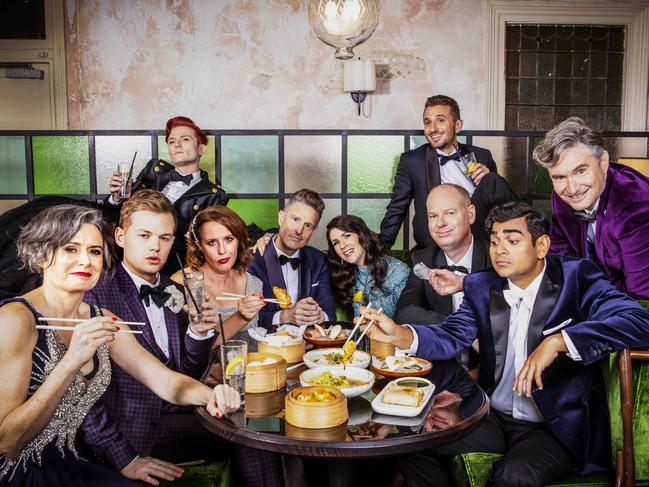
{"points": [[122, 424]]}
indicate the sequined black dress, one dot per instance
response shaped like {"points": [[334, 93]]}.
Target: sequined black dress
{"points": [[50, 459]]}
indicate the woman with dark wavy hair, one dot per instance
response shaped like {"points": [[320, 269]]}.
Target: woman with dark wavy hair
{"points": [[359, 262]]}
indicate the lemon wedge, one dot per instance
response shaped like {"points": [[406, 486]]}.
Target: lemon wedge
{"points": [[358, 296], [471, 168], [234, 364]]}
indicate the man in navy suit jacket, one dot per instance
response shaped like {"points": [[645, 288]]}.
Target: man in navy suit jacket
{"points": [[130, 428], [290, 264], [441, 161], [543, 323]]}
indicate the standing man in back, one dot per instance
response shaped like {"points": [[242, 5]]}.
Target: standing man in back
{"points": [[438, 162]]}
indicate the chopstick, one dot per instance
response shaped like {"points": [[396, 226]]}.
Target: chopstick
{"points": [[369, 306], [293, 367], [368, 326], [81, 320], [130, 171], [232, 296], [70, 328]]}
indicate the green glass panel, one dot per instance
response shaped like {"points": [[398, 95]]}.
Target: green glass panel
{"points": [[61, 164], [510, 154], [373, 211], [12, 165], [208, 159], [314, 162], [372, 162], [541, 182], [250, 163], [419, 140], [111, 150], [544, 206], [261, 212], [332, 209]]}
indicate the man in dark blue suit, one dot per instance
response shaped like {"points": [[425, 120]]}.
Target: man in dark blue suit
{"points": [[289, 263], [543, 323], [442, 160]]}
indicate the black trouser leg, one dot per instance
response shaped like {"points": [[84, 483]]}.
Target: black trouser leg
{"points": [[429, 467], [534, 456], [492, 191]]}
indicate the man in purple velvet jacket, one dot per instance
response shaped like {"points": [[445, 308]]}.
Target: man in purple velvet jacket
{"points": [[600, 210], [130, 428], [543, 323]]}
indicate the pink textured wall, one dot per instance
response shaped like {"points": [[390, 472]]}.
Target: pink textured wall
{"points": [[236, 64]]}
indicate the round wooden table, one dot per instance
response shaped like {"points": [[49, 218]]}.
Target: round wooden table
{"points": [[457, 407]]}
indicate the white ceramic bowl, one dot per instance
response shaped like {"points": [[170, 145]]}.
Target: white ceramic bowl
{"points": [[314, 358], [355, 373]]}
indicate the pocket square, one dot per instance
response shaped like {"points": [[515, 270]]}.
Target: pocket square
{"points": [[558, 327], [314, 285]]}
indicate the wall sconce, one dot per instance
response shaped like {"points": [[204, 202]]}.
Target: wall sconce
{"points": [[359, 79], [344, 24]]}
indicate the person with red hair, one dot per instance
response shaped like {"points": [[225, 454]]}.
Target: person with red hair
{"points": [[182, 181]]}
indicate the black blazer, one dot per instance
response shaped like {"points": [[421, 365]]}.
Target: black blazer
{"points": [[417, 174], [419, 303]]}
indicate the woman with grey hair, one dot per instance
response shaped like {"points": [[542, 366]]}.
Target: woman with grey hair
{"points": [[50, 377]]}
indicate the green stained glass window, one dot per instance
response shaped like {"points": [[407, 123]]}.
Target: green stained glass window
{"points": [[250, 163], [419, 140], [12, 165], [510, 154], [261, 212], [541, 182], [313, 162], [373, 211], [111, 150], [332, 209], [372, 162], [208, 159], [61, 164]]}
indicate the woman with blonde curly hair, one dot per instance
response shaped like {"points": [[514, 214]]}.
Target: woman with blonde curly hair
{"points": [[218, 245]]}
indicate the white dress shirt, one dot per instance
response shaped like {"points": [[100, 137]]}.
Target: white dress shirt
{"points": [[156, 316], [454, 172], [175, 189], [464, 262], [291, 278]]}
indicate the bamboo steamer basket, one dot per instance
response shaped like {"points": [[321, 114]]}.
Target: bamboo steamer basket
{"points": [[316, 415], [265, 404], [381, 349], [292, 352], [265, 378], [337, 433]]}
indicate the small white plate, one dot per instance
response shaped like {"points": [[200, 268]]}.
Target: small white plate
{"points": [[360, 359], [405, 411], [355, 373]]}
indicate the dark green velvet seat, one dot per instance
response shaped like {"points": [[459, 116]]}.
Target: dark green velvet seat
{"points": [[214, 474], [473, 469]]}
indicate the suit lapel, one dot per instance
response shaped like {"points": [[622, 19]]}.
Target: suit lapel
{"points": [[304, 289], [273, 269], [443, 304], [433, 177], [544, 304], [481, 258], [131, 297], [499, 312]]}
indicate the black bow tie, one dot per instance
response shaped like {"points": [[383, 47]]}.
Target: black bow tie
{"points": [[456, 268], [157, 294], [443, 159], [176, 176], [587, 217], [294, 261]]}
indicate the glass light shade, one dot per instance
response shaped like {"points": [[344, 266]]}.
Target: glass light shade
{"points": [[359, 76], [344, 24]]}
